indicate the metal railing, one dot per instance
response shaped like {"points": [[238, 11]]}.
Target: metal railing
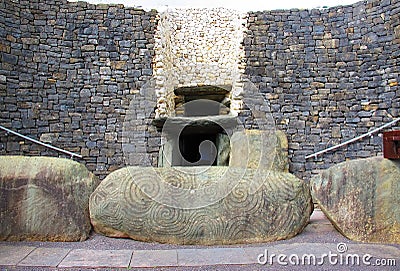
{"points": [[354, 139], [306, 157], [41, 143]]}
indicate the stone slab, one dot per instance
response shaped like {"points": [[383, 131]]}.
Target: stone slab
{"points": [[44, 199], [48, 257], [361, 199], [252, 253], [200, 205], [215, 256], [258, 149], [154, 258], [316, 249], [97, 258], [12, 255], [375, 250]]}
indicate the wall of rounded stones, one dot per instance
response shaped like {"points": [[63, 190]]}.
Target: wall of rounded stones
{"points": [[71, 72], [196, 47], [329, 75], [68, 74]]}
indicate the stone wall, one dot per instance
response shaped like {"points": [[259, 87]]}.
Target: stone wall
{"points": [[71, 72], [68, 74], [329, 75]]}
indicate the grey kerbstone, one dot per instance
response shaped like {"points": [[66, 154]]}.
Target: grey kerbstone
{"points": [[153, 258], [259, 149], [361, 198], [12, 255], [215, 256], [44, 198], [97, 258], [216, 205], [42, 256]]}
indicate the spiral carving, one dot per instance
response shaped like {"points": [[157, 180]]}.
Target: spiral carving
{"points": [[120, 207]]}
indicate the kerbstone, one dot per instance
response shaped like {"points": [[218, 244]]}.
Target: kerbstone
{"points": [[44, 198], [97, 258], [259, 149], [46, 257], [215, 256], [12, 255], [200, 205], [361, 198], [154, 258]]}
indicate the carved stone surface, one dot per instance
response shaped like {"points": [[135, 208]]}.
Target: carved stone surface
{"points": [[260, 149], [361, 198], [216, 205], [43, 198]]}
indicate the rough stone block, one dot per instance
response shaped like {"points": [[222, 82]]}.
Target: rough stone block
{"points": [[44, 198], [361, 199], [200, 205], [88, 47], [9, 58], [260, 149]]}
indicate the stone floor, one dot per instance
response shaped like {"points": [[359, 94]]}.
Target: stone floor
{"points": [[102, 253]]}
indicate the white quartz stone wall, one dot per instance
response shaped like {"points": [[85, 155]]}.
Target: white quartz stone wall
{"points": [[196, 47]]}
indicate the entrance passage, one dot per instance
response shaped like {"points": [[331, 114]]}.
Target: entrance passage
{"points": [[198, 149]]}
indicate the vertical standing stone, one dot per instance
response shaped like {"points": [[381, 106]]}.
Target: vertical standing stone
{"points": [[259, 150]]}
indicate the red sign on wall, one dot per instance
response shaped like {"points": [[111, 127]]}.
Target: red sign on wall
{"points": [[391, 145]]}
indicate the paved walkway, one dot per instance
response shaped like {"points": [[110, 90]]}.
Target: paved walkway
{"points": [[14, 255], [73, 258]]}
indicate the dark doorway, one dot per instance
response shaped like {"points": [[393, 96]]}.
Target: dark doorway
{"points": [[198, 149]]}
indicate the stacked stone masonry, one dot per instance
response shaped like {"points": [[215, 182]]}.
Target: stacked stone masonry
{"points": [[329, 75], [68, 73], [71, 72], [196, 47]]}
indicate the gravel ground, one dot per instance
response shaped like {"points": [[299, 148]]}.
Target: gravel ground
{"points": [[97, 241]]}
